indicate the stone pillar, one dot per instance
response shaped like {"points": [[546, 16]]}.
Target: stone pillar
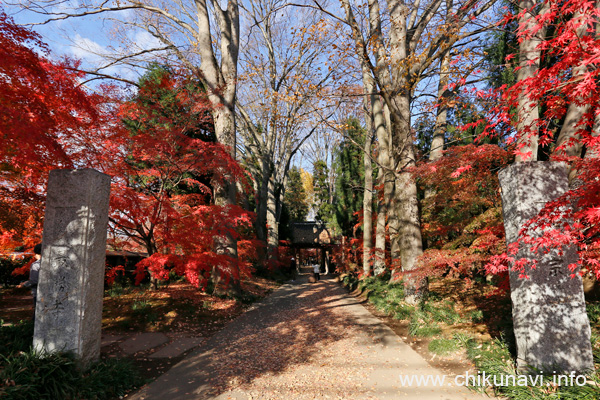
{"points": [[71, 285], [551, 326]]}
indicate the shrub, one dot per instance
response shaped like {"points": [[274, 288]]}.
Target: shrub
{"points": [[7, 266], [28, 375], [16, 338], [593, 311], [350, 281], [416, 329], [476, 316], [422, 325], [25, 374], [494, 358], [442, 312], [443, 346], [140, 307], [403, 312], [461, 339]]}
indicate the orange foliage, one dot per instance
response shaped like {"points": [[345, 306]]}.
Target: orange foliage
{"points": [[462, 219]]}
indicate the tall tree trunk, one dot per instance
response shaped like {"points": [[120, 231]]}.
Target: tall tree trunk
{"points": [[221, 80], [379, 127], [403, 215], [385, 180], [368, 197], [151, 249], [529, 64], [382, 201], [406, 241], [439, 133], [272, 221], [399, 107], [261, 201], [375, 126], [225, 196], [569, 139]]}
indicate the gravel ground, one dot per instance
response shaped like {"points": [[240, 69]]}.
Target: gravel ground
{"points": [[305, 341]]}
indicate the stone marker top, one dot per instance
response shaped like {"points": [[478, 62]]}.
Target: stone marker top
{"points": [[526, 188]]}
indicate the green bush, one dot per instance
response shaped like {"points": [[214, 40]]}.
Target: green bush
{"points": [[422, 325], [16, 338], [111, 377], [26, 375], [442, 312], [350, 281], [386, 297], [476, 316], [462, 339], [495, 359], [7, 266], [434, 296], [443, 346], [117, 290], [140, 307], [416, 329], [593, 311], [403, 312]]}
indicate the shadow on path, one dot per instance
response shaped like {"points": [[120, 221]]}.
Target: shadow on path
{"points": [[286, 328], [306, 340]]}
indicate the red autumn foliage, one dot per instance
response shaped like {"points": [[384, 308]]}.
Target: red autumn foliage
{"points": [[572, 219], [347, 255], [462, 218], [161, 195], [45, 124], [45, 110], [112, 273]]}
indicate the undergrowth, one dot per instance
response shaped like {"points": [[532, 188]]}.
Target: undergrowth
{"points": [[443, 346], [388, 297], [25, 374], [493, 358]]}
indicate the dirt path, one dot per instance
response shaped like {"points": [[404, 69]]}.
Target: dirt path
{"points": [[305, 341]]}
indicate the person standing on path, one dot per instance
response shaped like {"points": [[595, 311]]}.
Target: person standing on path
{"points": [[317, 272], [293, 268], [34, 274]]}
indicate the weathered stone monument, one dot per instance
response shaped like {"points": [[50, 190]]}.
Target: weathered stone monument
{"points": [[70, 290], [551, 326]]}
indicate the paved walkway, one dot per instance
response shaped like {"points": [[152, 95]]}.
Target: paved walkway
{"points": [[152, 344], [305, 341]]}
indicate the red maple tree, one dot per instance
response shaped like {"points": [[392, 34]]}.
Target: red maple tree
{"points": [[162, 172], [44, 124], [568, 42]]}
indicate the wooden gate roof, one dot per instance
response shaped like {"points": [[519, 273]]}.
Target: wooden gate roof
{"points": [[311, 234]]}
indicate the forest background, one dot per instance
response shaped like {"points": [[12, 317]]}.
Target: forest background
{"points": [[222, 122]]}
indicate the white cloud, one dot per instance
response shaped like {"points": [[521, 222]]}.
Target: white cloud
{"points": [[94, 55], [87, 50], [144, 40]]}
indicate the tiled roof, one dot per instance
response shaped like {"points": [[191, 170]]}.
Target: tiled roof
{"points": [[306, 233]]}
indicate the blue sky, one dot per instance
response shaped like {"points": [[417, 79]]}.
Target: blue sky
{"points": [[80, 38]]}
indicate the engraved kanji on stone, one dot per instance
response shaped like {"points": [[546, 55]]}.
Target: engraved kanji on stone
{"points": [[70, 289]]}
